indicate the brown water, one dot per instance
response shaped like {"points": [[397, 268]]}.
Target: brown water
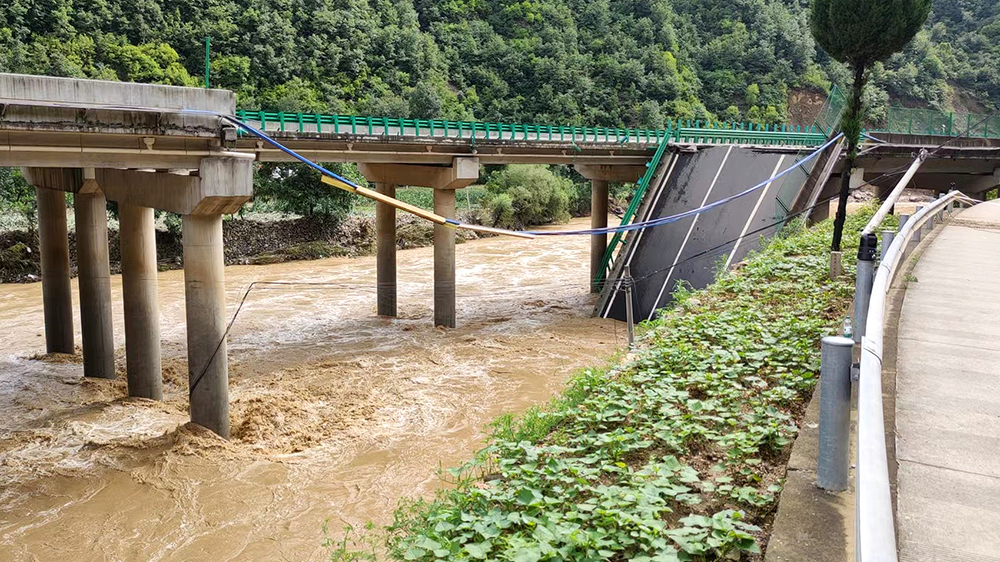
{"points": [[336, 414]]}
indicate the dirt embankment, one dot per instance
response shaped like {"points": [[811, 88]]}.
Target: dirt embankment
{"points": [[804, 106], [246, 242]]}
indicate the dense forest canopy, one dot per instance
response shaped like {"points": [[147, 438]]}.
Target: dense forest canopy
{"points": [[595, 62]]}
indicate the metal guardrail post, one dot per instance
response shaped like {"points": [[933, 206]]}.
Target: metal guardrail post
{"points": [[833, 466], [863, 286], [917, 234], [887, 238], [902, 220]]}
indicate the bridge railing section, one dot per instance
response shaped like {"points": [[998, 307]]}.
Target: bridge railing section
{"points": [[687, 131], [875, 536], [904, 120]]}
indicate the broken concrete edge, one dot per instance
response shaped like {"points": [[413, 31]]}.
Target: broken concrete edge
{"points": [[29, 89]]}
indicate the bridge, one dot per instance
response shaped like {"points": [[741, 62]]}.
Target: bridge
{"points": [[161, 147]]}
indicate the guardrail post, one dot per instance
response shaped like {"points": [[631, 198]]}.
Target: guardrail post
{"points": [[832, 472], [902, 220], [887, 237], [863, 285], [918, 232]]}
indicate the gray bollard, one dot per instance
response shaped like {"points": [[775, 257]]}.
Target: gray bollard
{"points": [[834, 461], [863, 285], [887, 237], [902, 220]]}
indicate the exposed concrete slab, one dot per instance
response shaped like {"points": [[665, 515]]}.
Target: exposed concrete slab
{"points": [[948, 397], [110, 119], [48, 89]]}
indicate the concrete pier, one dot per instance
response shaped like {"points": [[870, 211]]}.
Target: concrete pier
{"points": [[205, 300], [141, 301], [53, 242], [444, 180], [97, 331], [598, 219], [444, 260], [385, 227], [599, 177]]}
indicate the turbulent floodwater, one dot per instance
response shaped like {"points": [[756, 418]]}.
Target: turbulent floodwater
{"points": [[336, 413]]}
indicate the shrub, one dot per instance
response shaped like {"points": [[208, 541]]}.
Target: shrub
{"points": [[523, 195]]}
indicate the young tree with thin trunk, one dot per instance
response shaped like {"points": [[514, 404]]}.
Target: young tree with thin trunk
{"points": [[860, 33]]}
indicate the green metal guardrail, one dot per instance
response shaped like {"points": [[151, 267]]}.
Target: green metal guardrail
{"points": [[633, 207], [692, 131], [905, 120], [912, 121]]}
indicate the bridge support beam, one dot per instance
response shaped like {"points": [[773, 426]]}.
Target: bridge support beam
{"points": [[599, 177], [385, 233], [137, 235], [444, 260], [97, 331], [205, 305], [53, 241]]}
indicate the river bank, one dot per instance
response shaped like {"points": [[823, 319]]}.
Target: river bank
{"points": [[336, 413], [676, 453]]}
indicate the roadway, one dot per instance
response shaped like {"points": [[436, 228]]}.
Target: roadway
{"points": [[948, 396]]}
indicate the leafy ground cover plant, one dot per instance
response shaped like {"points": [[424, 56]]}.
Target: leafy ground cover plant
{"points": [[678, 453]]}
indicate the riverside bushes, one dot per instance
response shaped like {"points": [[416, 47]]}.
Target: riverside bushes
{"points": [[677, 454], [523, 195]]}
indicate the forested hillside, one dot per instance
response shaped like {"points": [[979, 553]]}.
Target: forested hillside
{"points": [[596, 62]]}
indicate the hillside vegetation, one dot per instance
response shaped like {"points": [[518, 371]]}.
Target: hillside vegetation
{"points": [[595, 62]]}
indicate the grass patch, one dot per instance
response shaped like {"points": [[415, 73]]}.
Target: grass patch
{"points": [[678, 454]]}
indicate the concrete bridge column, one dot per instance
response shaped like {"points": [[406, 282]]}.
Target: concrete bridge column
{"points": [[53, 242], [599, 176], [444, 180], [205, 305], [444, 260], [137, 235], [598, 219], [385, 228], [223, 184], [94, 278]]}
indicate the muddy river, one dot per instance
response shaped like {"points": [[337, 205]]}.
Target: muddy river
{"points": [[336, 413]]}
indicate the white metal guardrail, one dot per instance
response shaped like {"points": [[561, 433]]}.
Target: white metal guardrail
{"points": [[875, 534]]}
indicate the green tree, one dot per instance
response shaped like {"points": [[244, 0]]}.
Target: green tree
{"points": [[860, 33], [523, 195], [16, 196], [296, 188]]}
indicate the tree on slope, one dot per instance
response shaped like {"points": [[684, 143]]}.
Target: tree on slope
{"points": [[860, 33]]}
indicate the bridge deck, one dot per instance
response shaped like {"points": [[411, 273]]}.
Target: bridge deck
{"points": [[948, 396]]}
